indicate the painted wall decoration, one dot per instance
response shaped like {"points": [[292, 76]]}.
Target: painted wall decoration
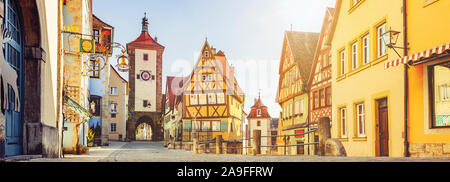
{"points": [[8, 74]]}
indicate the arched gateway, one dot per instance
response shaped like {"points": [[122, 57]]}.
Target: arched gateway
{"points": [[145, 84]]}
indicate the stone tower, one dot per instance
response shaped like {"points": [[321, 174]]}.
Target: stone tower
{"points": [[145, 84]]}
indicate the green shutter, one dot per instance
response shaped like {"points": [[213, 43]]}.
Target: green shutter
{"points": [[187, 126], [223, 126]]}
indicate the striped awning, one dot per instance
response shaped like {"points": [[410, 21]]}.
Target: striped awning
{"points": [[411, 59]]}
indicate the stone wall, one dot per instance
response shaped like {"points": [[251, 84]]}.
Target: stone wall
{"points": [[429, 149]]}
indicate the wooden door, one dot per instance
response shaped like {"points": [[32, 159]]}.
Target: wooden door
{"points": [[383, 127]]}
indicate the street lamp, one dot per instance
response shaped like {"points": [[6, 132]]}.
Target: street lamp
{"points": [[390, 39]]}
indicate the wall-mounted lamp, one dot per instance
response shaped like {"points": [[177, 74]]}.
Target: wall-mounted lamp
{"points": [[390, 39]]}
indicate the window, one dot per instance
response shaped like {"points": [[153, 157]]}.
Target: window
{"points": [[193, 100], [294, 74], [291, 111], [439, 83], [204, 78], [258, 123], [223, 126], [355, 56], [95, 67], [215, 125], [113, 127], [210, 77], [366, 49], [221, 98], [343, 121], [206, 125], [113, 107], [258, 112], [328, 96], [206, 54], [316, 100], [212, 98], [322, 97], [145, 57], [381, 45], [195, 125], [113, 91], [301, 108], [360, 120], [96, 36], [342, 62], [202, 99], [113, 115], [297, 107], [231, 127], [145, 103], [187, 126]]}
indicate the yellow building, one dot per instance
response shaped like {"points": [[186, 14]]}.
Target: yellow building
{"points": [[118, 105], [368, 102], [428, 79], [212, 99], [295, 67]]}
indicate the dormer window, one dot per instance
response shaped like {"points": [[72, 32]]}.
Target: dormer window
{"points": [[258, 112]]}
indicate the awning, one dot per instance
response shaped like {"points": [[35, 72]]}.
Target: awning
{"points": [[77, 108], [418, 57]]}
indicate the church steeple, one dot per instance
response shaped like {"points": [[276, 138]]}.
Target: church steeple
{"points": [[145, 23]]}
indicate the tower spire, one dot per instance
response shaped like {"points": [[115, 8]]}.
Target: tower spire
{"points": [[145, 23]]}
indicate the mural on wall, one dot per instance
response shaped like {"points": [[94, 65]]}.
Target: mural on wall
{"points": [[9, 75]]}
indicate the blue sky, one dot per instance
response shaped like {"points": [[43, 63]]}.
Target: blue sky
{"points": [[250, 32]]}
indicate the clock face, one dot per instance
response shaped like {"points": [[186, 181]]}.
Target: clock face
{"points": [[145, 75], [87, 46]]}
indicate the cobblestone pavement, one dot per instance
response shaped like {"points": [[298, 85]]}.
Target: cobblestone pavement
{"points": [[155, 152]]}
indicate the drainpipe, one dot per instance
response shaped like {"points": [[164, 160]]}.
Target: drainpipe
{"points": [[405, 44]]}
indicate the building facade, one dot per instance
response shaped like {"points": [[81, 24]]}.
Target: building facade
{"points": [[259, 119], [428, 85], [145, 81], [368, 102], [320, 94], [295, 68], [173, 126], [32, 122], [212, 101], [118, 105]]}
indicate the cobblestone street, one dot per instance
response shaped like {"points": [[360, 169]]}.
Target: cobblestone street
{"points": [[155, 152]]}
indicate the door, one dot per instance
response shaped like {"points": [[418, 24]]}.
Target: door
{"points": [[300, 148], [12, 51], [383, 127]]}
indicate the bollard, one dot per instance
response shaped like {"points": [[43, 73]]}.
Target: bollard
{"points": [[256, 142], [218, 144], [224, 148], [324, 134], [195, 145]]}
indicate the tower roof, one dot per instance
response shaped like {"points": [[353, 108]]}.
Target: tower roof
{"points": [[258, 106], [145, 39]]}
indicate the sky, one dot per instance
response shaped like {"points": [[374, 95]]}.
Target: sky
{"points": [[250, 32]]}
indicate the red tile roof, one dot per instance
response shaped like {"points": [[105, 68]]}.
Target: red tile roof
{"points": [[146, 40], [258, 105]]}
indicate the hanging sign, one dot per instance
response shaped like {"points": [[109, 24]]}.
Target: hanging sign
{"points": [[87, 46], [122, 62]]}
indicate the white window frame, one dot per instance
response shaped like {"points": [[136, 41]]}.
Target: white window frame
{"points": [[115, 104], [210, 77], [202, 99], [382, 48], [112, 89], [291, 113], [355, 56], [342, 62], [206, 54], [301, 108], [212, 99], [366, 49], [343, 119], [111, 128], [360, 114], [193, 99], [221, 98]]}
